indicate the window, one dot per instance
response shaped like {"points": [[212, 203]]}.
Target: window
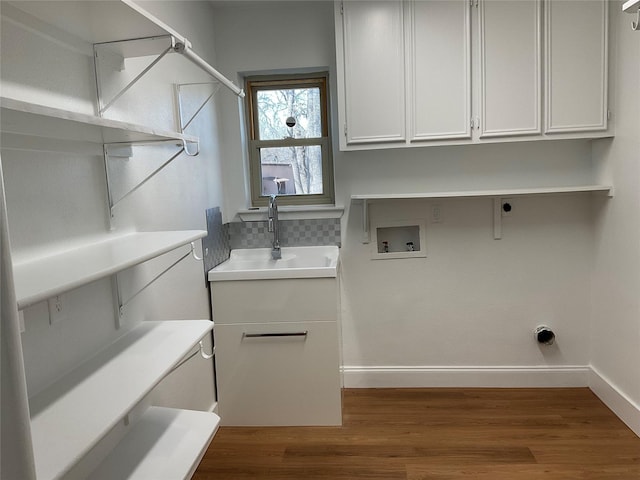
{"points": [[289, 140]]}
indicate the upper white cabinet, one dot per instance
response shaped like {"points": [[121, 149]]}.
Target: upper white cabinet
{"points": [[576, 65], [405, 66], [439, 69], [510, 58], [374, 71], [465, 72]]}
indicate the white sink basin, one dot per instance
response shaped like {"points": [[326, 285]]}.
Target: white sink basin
{"points": [[296, 262]]}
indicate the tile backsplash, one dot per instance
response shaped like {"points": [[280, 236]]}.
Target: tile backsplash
{"points": [[215, 246], [293, 233]]}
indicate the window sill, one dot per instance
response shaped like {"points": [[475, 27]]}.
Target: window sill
{"points": [[302, 212]]}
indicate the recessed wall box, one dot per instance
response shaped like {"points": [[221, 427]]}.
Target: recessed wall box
{"points": [[398, 239]]}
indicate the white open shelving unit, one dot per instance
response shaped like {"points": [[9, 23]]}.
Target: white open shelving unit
{"points": [[74, 414], [69, 417], [496, 194]]}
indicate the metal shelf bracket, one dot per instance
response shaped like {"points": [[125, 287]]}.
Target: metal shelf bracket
{"points": [[103, 105], [178, 87], [113, 150], [118, 296], [366, 233], [174, 45], [206, 356]]}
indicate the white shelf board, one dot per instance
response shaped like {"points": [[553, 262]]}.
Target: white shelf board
{"points": [[70, 417], [46, 277], [631, 6], [165, 443], [507, 192], [98, 22], [26, 118]]}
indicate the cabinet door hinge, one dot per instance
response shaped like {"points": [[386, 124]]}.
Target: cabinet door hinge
{"points": [[345, 129], [473, 3], [341, 8], [609, 114], [475, 122]]}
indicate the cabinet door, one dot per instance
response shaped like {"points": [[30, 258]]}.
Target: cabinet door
{"points": [[439, 69], [292, 379], [510, 59], [576, 65], [373, 38]]}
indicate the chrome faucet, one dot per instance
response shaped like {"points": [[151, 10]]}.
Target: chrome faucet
{"points": [[273, 227]]}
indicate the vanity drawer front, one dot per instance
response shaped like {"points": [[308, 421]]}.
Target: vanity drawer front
{"points": [[285, 300], [282, 377]]}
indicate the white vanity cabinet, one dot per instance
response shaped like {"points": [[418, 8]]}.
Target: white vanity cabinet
{"points": [[277, 351], [465, 72]]}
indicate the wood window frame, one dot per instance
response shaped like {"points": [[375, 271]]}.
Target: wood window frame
{"points": [[254, 84]]}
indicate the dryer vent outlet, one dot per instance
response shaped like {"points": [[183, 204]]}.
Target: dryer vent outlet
{"points": [[544, 335]]}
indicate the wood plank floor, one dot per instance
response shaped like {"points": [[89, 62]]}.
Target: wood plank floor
{"points": [[439, 434]]}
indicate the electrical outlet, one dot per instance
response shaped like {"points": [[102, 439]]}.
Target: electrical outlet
{"points": [[436, 214], [57, 312], [506, 207]]}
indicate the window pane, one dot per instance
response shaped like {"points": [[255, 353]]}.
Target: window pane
{"points": [[289, 113], [291, 170]]}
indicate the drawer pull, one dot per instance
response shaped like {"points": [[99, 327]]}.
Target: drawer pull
{"points": [[284, 334]]}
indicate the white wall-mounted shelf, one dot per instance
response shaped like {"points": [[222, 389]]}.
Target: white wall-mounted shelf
{"points": [[107, 21], [495, 193], [506, 192], [46, 277], [165, 443], [26, 118], [70, 417]]}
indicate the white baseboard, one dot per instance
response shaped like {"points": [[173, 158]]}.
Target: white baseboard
{"points": [[626, 409], [508, 377]]}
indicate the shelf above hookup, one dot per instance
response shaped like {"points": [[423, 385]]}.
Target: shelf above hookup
{"points": [[366, 199]]}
